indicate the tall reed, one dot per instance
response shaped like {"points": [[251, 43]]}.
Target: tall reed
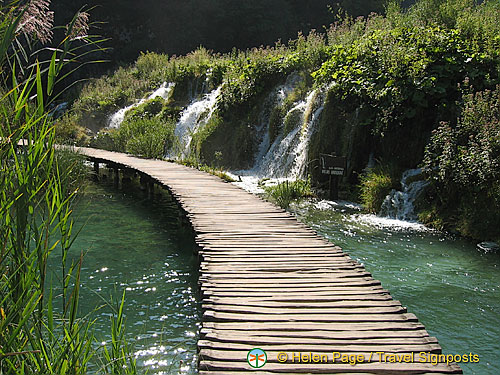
{"points": [[37, 190]]}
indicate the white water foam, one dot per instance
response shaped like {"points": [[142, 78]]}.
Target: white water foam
{"points": [[354, 214], [163, 91], [286, 157], [274, 99], [393, 224], [193, 117], [398, 204], [336, 205]]}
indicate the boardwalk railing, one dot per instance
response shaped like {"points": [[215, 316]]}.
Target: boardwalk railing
{"points": [[270, 282]]}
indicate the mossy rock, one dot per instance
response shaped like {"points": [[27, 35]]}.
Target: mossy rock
{"points": [[147, 109], [292, 120], [223, 143], [169, 112], [95, 121], [341, 131], [275, 123], [188, 88]]}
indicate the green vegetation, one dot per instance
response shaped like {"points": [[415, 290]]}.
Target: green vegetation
{"points": [[194, 163], [147, 131], [397, 77], [146, 137], [286, 192], [388, 81], [247, 77], [41, 330], [463, 162], [375, 185]]}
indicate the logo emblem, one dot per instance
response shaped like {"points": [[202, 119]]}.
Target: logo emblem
{"points": [[256, 358]]}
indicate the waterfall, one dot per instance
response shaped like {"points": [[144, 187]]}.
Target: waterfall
{"points": [[193, 117], [287, 155], [163, 91], [274, 99], [398, 204]]}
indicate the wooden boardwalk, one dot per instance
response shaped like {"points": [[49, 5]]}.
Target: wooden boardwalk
{"points": [[270, 282]]}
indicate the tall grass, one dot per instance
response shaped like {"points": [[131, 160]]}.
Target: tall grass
{"points": [[284, 193], [38, 186], [377, 183]]}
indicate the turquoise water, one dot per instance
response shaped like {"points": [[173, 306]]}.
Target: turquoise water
{"points": [[451, 285], [139, 245]]}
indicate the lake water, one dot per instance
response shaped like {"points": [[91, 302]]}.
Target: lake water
{"points": [[137, 244], [451, 285]]}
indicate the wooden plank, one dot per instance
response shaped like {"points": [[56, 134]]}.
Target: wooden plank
{"points": [[306, 317], [307, 326], [324, 347], [320, 337], [297, 310], [341, 303], [351, 336]]}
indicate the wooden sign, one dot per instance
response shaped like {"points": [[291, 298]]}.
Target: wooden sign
{"points": [[332, 165]]}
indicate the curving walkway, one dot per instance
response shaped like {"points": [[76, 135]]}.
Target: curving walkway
{"points": [[270, 282]]}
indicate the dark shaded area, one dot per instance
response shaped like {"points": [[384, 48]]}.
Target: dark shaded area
{"points": [[180, 26]]}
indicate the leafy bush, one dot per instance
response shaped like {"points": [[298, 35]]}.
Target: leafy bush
{"points": [[152, 67], [407, 74], [464, 163], [109, 93], [68, 131], [146, 137], [147, 109]]}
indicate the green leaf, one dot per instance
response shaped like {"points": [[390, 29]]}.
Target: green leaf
{"points": [[50, 313], [52, 74], [39, 91]]}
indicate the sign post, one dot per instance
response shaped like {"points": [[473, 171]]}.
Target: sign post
{"points": [[334, 166]]}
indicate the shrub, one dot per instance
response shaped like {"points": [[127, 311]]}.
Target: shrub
{"points": [[109, 93], [147, 109], [68, 131], [464, 163], [152, 67], [375, 185], [146, 137], [105, 140], [286, 192]]}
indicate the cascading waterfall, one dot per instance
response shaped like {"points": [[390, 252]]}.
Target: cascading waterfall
{"points": [[314, 107], [286, 157], [163, 91], [274, 99], [193, 117], [398, 204]]}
